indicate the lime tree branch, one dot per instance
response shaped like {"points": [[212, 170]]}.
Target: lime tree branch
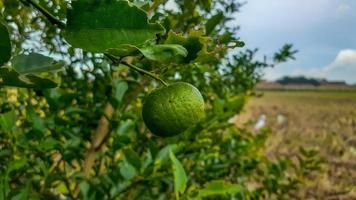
{"points": [[46, 13], [131, 66]]}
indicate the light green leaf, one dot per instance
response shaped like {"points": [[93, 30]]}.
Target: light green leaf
{"points": [[163, 154], [84, 189], [165, 53], [219, 187], [9, 77], [180, 177], [8, 120], [127, 170], [5, 45], [35, 63], [100, 25], [142, 3], [213, 22], [120, 88]]}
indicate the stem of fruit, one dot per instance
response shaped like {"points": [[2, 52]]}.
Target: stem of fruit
{"points": [[46, 13], [142, 71], [152, 75]]}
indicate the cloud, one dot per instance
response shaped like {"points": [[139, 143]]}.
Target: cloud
{"points": [[343, 9], [346, 59], [343, 67]]}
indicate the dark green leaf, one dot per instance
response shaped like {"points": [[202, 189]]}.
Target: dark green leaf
{"points": [[16, 165], [48, 144], [37, 121], [34, 63], [9, 77], [100, 25], [133, 158], [213, 22], [23, 194], [5, 45], [165, 53], [195, 44]]}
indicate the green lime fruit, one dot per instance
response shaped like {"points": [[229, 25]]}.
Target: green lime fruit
{"points": [[172, 109]]}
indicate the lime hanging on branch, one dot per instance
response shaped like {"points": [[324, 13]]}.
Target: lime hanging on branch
{"points": [[172, 109]]}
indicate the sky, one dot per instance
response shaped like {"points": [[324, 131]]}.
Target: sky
{"points": [[323, 31]]}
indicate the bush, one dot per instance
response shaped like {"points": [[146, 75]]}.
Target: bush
{"points": [[72, 127]]}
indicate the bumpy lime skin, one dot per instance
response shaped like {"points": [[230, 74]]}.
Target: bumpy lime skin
{"points": [[173, 109]]}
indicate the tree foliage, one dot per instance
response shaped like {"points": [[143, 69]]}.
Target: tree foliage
{"points": [[77, 132]]}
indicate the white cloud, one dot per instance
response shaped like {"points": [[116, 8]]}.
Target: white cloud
{"points": [[346, 59], [343, 9], [342, 68]]}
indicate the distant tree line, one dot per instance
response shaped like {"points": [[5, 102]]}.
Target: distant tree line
{"points": [[300, 80]]}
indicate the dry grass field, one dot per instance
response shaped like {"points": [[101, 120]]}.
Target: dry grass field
{"points": [[325, 120]]}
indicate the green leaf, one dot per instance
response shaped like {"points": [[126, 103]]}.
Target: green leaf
{"points": [[120, 88], [48, 144], [84, 189], [22, 195], [37, 121], [180, 177], [195, 44], [213, 22], [5, 45], [9, 77], [133, 158], [218, 187], [16, 165], [163, 154], [165, 53], [8, 120], [206, 4], [127, 170], [34, 63], [100, 25]]}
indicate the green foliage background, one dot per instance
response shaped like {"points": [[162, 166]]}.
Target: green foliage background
{"points": [[49, 137]]}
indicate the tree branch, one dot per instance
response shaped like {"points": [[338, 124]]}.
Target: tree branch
{"points": [[131, 66], [46, 13], [101, 133]]}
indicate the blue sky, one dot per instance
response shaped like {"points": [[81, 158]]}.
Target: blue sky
{"points": [[324, 32]]}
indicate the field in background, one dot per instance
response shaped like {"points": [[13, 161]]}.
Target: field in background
{"points": [[325, 120]]}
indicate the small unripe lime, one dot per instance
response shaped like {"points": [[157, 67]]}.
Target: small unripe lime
{"points": [[172, 109]]}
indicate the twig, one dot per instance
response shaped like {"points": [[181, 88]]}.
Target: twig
{"points": [[46, 13], [142, 71], [154, 76]]}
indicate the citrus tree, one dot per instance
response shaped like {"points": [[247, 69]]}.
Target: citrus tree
{"points": [[117, 99]]}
